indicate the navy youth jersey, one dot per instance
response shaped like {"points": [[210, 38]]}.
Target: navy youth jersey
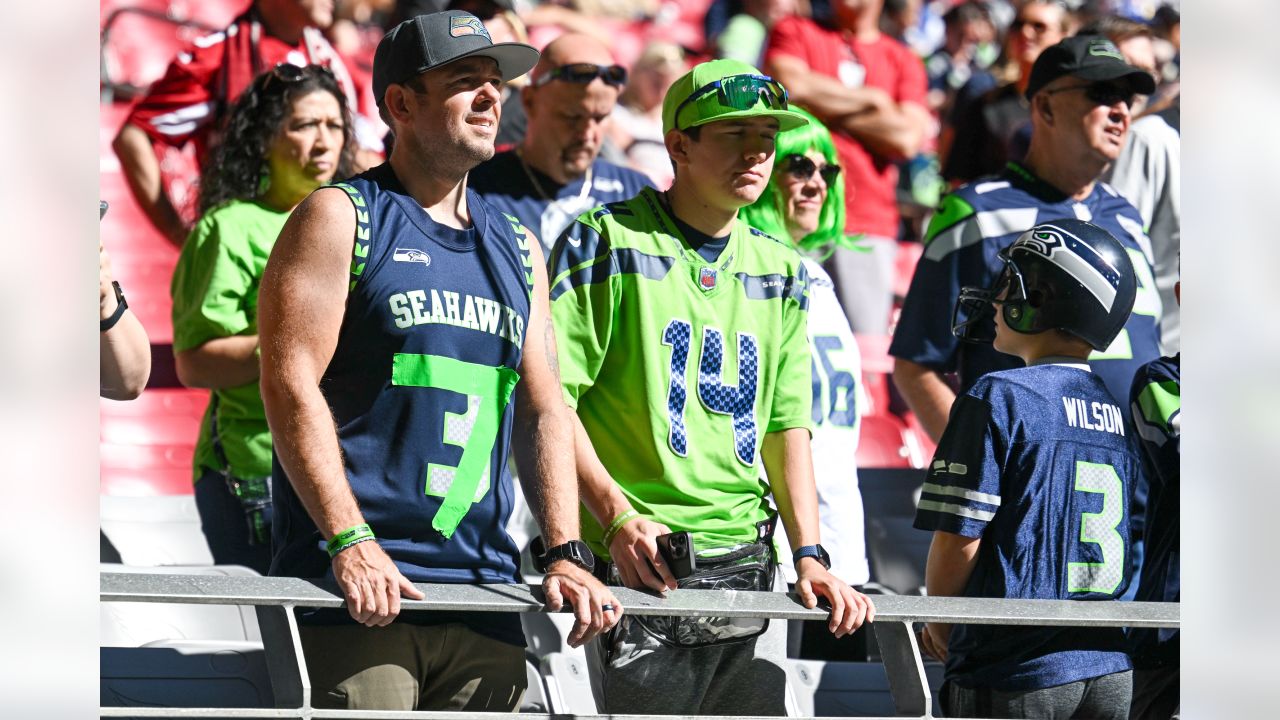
{"points": [[962, 244], [545, 206], [420, 386], [1156, 401], [1036, 462]]}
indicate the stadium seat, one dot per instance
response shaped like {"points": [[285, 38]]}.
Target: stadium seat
{"points": [[920, 447], [882, 443], [896, 551], [133, 624], [147, 444], [909, 254], [155, 530], [877, 367], [535, 696], [844, 689], [185, 674], [567, 685]]}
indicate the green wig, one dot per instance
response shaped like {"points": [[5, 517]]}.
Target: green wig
{"points": [[768, 213]]}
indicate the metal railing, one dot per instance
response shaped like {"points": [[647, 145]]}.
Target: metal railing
{"points": [[274, 600]]}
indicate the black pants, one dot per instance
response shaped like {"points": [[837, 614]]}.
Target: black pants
{"points": [[225, 526]]}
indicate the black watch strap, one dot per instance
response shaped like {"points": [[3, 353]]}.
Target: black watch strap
{"points": [[816, 552], [121, 306], [575, 551]]}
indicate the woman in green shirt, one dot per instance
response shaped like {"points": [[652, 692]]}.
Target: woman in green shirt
{"points": [[287, 135]]}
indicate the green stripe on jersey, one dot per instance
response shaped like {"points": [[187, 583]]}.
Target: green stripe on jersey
{"points": [[953, 210], [1159, 401], [678, 367]]}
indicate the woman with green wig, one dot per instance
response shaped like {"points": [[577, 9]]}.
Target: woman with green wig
{"points": [[804, 203]]}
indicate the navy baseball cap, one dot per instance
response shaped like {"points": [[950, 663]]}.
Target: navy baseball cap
{"points": [[427, 42], [1088, 57]]}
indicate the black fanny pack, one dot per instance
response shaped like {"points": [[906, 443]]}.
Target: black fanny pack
{"points": [[749, 567]]}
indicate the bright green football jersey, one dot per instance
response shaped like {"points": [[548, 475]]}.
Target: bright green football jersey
{"points": [[678, 366]]}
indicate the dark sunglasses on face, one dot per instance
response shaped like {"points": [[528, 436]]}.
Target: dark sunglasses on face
{"points": [[1101, 93], [802, 168], [614, 75]]}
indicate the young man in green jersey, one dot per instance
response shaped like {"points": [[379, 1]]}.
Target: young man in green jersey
{"points": [[686, 360]]}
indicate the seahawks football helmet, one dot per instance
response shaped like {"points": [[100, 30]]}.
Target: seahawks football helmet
{"points": [[1067, 275]]}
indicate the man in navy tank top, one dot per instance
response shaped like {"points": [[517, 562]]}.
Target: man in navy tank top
{"points": [[407, 341]]}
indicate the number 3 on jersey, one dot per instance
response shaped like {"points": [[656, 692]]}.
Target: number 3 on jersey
{"points": [[738, 402], [1100, 529]]}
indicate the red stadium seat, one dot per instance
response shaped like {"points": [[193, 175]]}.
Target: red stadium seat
{"points": [[909, 254], [877, 366], [882, 443], [147, 444], [920, 447]]}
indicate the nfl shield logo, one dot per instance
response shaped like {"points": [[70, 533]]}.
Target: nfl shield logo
{"points": [[707, 279]]}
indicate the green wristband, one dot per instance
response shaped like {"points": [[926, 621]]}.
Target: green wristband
{"points": [[349, 537], [616, 526]]}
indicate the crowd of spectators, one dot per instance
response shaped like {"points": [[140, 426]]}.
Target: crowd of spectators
{"points": [[952, 124]]}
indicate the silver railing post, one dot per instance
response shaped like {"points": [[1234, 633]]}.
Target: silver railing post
{"points": [[286, 664], [904, 668]]}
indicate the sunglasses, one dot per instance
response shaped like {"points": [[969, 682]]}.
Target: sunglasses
{"points": [[288, 73], [802, 168], [583, 73], [738, 92], [1101, 93]]}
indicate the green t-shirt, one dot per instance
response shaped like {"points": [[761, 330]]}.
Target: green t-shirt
{"points": [[678, 366], [215, 294]]}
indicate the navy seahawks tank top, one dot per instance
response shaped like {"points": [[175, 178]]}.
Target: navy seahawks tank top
{"points": [[420, 387]]}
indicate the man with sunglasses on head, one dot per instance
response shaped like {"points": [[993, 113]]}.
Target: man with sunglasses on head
{"points": [[556, 173], [1080, 93], [406, 345], [686, 360]]}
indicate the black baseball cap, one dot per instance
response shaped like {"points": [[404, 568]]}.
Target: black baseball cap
{"points": [[427, 42], [1088, 57]]}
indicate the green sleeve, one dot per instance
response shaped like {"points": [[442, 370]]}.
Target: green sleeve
{"points": [[210, 286], [584, 294], [793, 393]]}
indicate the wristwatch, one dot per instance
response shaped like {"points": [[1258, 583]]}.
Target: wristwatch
{"points": [[575, 551], [121, 306], [813, 551]]}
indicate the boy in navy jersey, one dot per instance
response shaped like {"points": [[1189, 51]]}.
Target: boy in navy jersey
{"points": [[1028, 493]]}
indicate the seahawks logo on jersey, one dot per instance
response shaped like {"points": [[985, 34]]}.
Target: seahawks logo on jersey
{"points": [[412, 255]]}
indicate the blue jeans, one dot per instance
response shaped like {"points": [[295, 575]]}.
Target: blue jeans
{"points": [[225, 527]]}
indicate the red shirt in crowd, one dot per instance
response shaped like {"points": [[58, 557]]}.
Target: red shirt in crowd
{"points": [[206, 77], [870, 181]]}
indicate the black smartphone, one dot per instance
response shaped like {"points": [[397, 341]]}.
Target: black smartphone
{"points": [[677, 550], [102, 208]]}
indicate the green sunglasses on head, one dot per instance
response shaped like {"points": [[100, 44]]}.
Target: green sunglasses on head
{"points": [[739, 92]]}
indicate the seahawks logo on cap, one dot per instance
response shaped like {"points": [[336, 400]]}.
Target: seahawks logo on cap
{"points": [[460, 25], [1104, 48]]}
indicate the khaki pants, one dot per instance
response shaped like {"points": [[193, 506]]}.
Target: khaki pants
{"points": [[412, 667]]}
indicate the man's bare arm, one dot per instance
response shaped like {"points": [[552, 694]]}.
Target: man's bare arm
{"points": [[300, 309], [926, 393], [141, 170], [887, 128], [825, 96], [544, 457], [219, 363], [788, 463]]}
